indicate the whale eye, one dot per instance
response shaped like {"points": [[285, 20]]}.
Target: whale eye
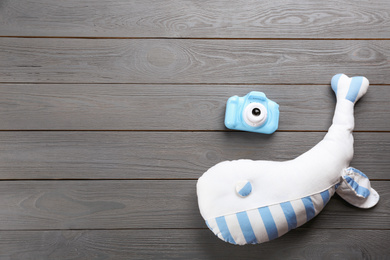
{"points": [[243, 188], [255, 114]]}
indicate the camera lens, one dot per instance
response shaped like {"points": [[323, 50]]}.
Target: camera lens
{"points": [[256, 112]]}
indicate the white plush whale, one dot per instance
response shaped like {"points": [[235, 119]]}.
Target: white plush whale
{"points": [[248, 202]]}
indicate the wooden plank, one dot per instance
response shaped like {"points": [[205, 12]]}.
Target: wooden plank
{"points": [[32, 205], [173, 107], [190, 61], [161, 155], [191, 244], [174, 18]]}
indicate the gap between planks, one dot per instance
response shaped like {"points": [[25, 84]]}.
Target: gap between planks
{"points": [[177, 84], [205, 228], [162, 130], [125, 179], [196, 38]]}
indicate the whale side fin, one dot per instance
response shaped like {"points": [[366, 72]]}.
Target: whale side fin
{"points": [[355, 188], [351, 89]]}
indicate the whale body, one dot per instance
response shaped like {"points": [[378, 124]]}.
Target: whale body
{"points": [[249, 202]]}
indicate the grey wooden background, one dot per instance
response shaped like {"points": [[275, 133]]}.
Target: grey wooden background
{"points": [[111, 110]]}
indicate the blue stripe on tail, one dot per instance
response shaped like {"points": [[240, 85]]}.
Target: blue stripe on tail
{"points": [[354, 88], [335, 81], [246, 227], [358, 172]]}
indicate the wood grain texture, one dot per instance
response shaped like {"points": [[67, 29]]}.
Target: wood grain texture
{"points": [[174, 18], [163, 155], [191, 244], [173, 107], [172, 204], [190, 61]]}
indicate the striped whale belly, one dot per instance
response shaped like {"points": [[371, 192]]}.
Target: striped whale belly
{"points": [[267, 223]]}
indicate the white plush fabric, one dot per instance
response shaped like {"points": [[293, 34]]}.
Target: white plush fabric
{"points": [[231, 190]]}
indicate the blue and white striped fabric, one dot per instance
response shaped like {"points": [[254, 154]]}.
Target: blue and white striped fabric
{"points": [[356, 188], [267, 223], [349, 88]]}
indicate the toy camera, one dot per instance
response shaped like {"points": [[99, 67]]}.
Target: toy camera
{"points": [[253, 112]]}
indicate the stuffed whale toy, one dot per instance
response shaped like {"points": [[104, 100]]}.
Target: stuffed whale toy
{"points": [[249, 202]]}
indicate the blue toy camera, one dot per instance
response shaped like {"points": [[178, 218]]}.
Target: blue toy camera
{"points": [[253, 112]]}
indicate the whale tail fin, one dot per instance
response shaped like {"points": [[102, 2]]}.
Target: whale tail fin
{"points": [[355, 188], [351, 89]]}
